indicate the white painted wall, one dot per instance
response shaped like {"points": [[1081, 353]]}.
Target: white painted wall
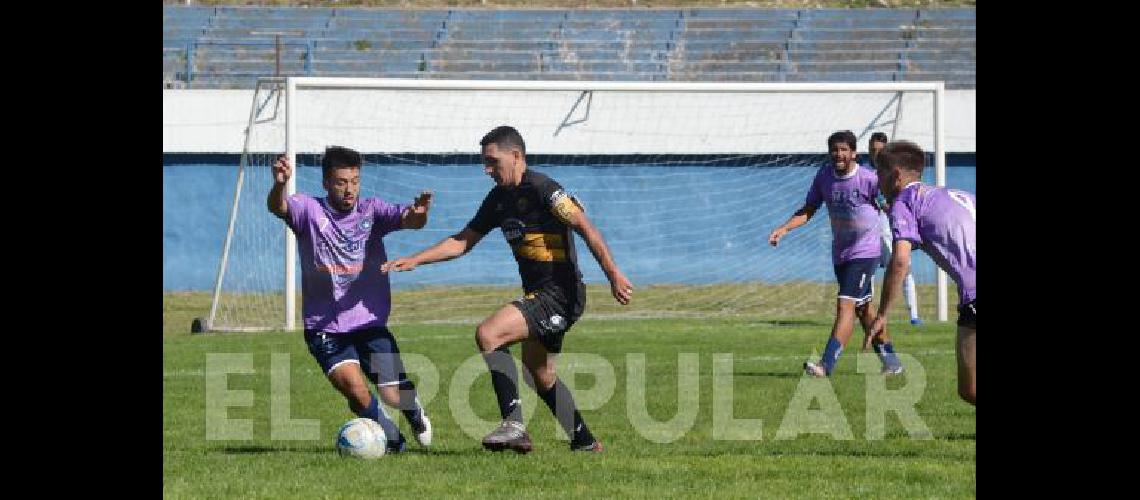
{"points": [[201, 121]]}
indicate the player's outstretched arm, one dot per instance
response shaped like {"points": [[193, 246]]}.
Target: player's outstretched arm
{"points": [[416, 216], [620, 286], [282, 171], [451, 247], [801, 217], [892, 282]]}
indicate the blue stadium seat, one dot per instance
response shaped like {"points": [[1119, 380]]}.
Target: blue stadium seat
{"points": [[742, 14], [963, 14], [704, 44], [868, 14]]}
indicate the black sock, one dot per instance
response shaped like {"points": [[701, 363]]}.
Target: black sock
{"points": [[561, 404], [504, 378]]}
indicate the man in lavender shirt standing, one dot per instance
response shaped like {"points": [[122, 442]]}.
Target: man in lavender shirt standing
{"points": [[346, 299], [942, 222], [849, 192]]}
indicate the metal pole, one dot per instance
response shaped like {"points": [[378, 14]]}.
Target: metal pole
{"points": [[940, 180], [290, 189], [277, 67], [242, 163]]}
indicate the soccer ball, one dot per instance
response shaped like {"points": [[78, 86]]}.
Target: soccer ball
{"points": [[361, 438]]}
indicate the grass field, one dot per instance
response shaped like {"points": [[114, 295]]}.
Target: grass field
{"points": [[470, 304], [766, 378]]}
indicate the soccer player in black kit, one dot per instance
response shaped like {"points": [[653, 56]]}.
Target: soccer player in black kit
{"points": [[536, 217]]}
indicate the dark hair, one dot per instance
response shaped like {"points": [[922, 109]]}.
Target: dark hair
{"points": [[339, 157], [903, 154], [841, 136], [878, 137], [504, 136]]}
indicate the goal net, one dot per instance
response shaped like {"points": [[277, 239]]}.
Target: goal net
{"points": [[684, 181]]}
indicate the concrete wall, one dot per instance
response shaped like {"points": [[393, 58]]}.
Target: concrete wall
{"points": [[211, 121]]}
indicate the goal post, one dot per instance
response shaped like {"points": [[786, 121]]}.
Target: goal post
{"points": [[684, 180]]}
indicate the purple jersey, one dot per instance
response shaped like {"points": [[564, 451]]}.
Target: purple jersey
{"points": [[850, 206], [941, 222], [342, 288]]}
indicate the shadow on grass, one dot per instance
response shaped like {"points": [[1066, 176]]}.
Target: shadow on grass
{"points": [[791, 322], [852, 453], [261, 449], [795, 374]]}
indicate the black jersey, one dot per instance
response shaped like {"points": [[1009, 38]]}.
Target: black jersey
{"points": [[533, 217]]}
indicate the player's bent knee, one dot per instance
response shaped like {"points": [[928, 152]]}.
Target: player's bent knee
{"points": [[488, 338], [356, 393], [484, 338], [845, 305]]}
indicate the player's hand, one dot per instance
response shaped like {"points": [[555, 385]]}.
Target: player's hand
{"points": [[282, 170], [776, 234], [876, 330], [422, 203], [877, 327], [621, 288], [401, 264]]}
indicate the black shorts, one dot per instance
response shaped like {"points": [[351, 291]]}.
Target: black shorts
{"points": [[374, 349], [551, 311], [968, 314], [856, 279]]}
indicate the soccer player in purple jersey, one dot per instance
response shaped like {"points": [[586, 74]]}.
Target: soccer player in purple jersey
{"points": [[941, 222], [536, 217], [874, 145], [849, 192], [346, 299]]}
